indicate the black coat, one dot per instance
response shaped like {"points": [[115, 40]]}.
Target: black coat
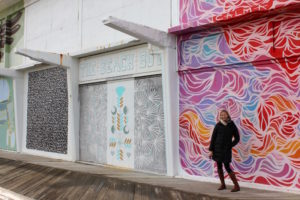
{"points": [[221, 141]]}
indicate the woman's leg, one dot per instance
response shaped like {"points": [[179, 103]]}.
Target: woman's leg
{"points": [[233, 178], [227, 167], [221, 176]]}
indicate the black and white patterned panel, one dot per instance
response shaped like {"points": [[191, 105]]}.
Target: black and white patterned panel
{"points": [[93, 119], [150, 150], [47, 111]]}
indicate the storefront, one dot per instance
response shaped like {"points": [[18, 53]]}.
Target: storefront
{"points": [[121, 109]]}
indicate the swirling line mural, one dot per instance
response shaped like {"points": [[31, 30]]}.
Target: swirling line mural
{"points": [[207, 11], [252, 70]]}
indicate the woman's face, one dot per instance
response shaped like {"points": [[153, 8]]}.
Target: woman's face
{"points": [[223, 116]]}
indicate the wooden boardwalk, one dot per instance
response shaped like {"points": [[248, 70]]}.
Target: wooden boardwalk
{"points": [[40, 182], [43, 178]]}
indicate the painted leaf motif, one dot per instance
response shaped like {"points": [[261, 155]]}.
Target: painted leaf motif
{"points": [[125, 110], [264, 114]]}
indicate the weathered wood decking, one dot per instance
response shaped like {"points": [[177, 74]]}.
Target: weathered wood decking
{"points": [[40, 182], [43, 178]]}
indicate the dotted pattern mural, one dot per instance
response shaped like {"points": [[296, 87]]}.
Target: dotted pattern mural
{"points": [[150, 154], [93, 119], [47, 112]]}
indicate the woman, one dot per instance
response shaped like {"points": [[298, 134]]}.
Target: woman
{"points": [[221, 147]]}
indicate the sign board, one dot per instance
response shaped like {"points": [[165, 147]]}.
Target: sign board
{"points": [[130, 61]]}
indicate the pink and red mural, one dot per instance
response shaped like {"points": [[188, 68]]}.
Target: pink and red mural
{"points": [[199, 13], [210, 11], [252, 70]]}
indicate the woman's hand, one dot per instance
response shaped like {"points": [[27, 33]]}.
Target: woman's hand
{"points": [[210, 154]]}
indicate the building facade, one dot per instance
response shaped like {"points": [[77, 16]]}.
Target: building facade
{"points": [[145, 92], [103, 103]]}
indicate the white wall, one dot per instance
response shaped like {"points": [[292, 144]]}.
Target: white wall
{"points": [[174, 13], [52, 25], [66, 26]]}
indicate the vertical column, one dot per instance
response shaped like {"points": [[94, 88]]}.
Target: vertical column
{"points": [[171, 107], [74, 109], [19, 98]]}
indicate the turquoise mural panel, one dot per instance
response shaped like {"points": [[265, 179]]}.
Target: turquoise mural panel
{"points": [[7, 115]]}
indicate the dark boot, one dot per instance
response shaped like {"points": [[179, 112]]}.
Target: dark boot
{"points": [[236, 187], [221, 176]]}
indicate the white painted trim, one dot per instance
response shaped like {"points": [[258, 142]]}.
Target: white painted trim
{"points": [[24, 136], [18, 85], [73, 110], [67, 156], [27, 66], [171, 106], [94, 67], [10, 73], [156, 72], [71, 139], [62, 60]]}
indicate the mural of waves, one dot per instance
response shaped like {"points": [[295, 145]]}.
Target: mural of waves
{"points": [[252, 70]]}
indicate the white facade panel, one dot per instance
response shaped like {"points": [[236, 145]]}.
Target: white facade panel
{"points": [[135, 60], [67, 26]]}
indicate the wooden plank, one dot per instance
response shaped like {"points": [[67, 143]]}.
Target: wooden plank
{"points": [[32, 181], [42, 181], [162, 193], [77, 186], [7, 167], [143, 192], [14, 173], [104, 190], [43, 188], [138, 192], [59, 187], [94, 188], [24, 178], [122, 190]]}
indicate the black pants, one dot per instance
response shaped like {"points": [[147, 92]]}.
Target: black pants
{"points": [[226, 165]]}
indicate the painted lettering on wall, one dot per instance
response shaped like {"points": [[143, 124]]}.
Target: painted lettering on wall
{"points": [[132, 61]]}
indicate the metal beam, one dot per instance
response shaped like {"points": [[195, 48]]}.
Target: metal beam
{"points": [[46, 57], [145, 33]]}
